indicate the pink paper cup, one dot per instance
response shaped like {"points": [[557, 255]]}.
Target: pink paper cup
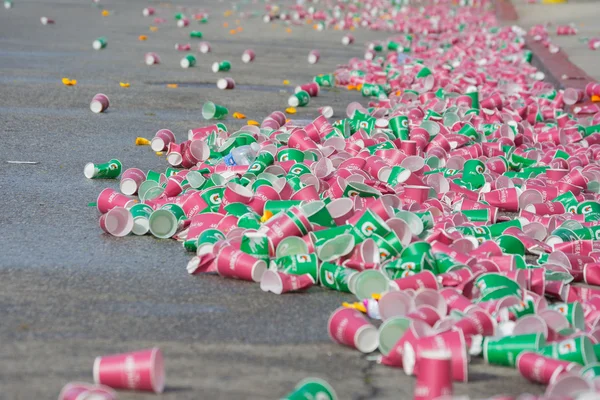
{"points": [[162, 139], [84, 391], [279, 282], [131, 180], [395, 304], [452, 341], [307, 193], [236, 193], [425, 279], [261, 196], [110, 198], [456, 301], [349, 327], [416, 193], [99, 103], [540, 369], [433, 298], [140, 370], [437, 382], [233, 263], [117, 221]]}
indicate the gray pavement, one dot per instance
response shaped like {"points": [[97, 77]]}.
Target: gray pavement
{"points": [[584, 16], [68, 292]]}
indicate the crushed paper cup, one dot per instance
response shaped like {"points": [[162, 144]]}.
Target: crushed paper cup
{"points": [[82, 391], [279, 282]]}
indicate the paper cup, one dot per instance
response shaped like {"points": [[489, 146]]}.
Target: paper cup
{"points": [[350, 327], [140, 370]]}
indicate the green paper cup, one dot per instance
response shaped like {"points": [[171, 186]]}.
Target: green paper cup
{"points": [[299, 99], [188, 61], [391, 331], [290, 155], [369, 282], [317, 213], [505, 350], [318, 238], [238, 209], [510, 245], [336, 247], [312, 388], [207, 240], [109, 170], [211, 110], [579, 350], [256, 244], [141, 217], [276, 206], [291, 245], [100, 43], [165, 222], [152, 193], [195, 179], [222, 66], [337, 277], [572, 311], [299, 264]]}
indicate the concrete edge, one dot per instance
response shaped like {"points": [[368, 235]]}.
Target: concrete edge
{"points": [[559, 70]]}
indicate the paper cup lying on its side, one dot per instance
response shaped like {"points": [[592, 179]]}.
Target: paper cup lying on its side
{"points": [[140, 370], [350, 327]]}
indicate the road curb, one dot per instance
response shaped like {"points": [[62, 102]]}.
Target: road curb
{"points": [[559, 70]]}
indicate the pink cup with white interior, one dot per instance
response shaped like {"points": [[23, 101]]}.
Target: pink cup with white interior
{"points": [[117, 221], [110, 198], [235, 193], [99, 103], [131, 180], [162, 139], [85, 391], [140, 370], [349, 327], [233, 263]]}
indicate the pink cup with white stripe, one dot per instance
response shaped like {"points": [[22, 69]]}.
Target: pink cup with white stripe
{"points": [[140, 370], [162, 139], [233, 263], [110, 198], [350, 327], [131, 180]]}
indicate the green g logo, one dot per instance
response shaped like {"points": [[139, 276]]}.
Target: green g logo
{"points": [[367, 229], [215, 198]]}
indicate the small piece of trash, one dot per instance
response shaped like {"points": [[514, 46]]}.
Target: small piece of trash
{"points": [[69, 82], [253, 122], [124, 84], [23, 162], [92, 204], [143, 37], [290, 110], [140, 141], [238, 115], [172, 85]]}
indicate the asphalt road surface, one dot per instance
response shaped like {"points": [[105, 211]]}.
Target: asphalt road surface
{"points": [[68, 292]]}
